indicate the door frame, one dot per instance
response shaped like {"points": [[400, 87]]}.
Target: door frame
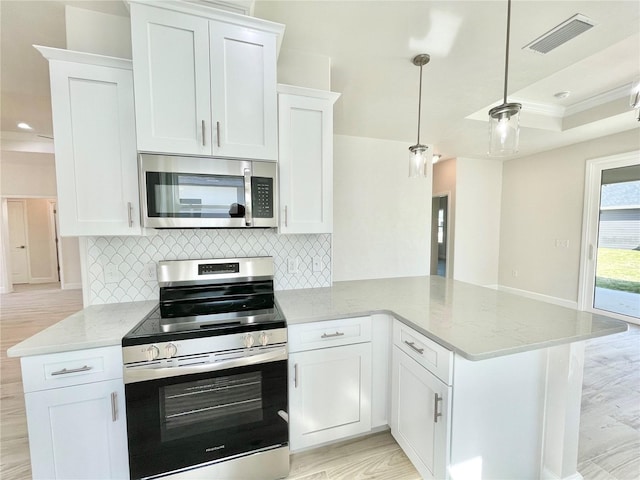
{"points": [[447, 269], [590, 223], [25, 221]]}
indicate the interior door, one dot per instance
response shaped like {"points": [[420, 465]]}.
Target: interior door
{"points": [[18, 241]]}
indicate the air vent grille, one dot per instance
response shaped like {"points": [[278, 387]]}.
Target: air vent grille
{"points": [[561, 34]]}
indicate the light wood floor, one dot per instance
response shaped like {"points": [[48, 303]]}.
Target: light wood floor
{"points": [[609, 430]]}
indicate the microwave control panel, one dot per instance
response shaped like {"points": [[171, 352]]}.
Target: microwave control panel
{"points": [[262, 197]]}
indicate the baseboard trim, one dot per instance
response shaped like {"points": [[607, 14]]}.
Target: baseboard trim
{"points": [[547, 475], [539, 296], [43, 280], [72, 286]]}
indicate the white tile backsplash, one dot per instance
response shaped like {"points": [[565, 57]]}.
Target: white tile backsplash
{"points": [[116, 265]]}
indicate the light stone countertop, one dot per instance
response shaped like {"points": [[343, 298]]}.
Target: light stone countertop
{"points": [[475, 322], [93, 327]]}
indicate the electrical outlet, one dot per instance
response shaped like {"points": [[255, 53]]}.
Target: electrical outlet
{"points": [[316, 264], [292, 265], [150, 272], [111, 273], [514, 273]]}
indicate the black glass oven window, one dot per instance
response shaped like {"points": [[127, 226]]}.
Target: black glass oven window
{"points": [[223, 402], [194, 196], [215, 423]]}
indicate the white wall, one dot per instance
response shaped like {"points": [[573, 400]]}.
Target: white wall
{"points": [[96, 32], [542, 200], [304, 69], [477, 221], [382, 218], [26, 174]]}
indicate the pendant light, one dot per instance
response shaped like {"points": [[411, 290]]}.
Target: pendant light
{"points": [[419, 156], [504, 120]]}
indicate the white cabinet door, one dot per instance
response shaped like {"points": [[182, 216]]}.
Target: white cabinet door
{"points": [[420, 415], [95, 149], [171, 70], [78, 432], [305, 119], [243, 86], [329, 394]]}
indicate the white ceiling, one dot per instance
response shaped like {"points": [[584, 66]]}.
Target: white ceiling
{"points": [[371, 44]]}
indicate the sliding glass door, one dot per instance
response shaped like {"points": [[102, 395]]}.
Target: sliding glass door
{"points": [[610, 280]]}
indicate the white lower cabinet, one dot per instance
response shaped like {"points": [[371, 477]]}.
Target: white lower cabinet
{"points": [[76, 415], [329, 388], [420, 420]]}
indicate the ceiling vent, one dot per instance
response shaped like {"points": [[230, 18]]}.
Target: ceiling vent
{"points": [[564, 32]]}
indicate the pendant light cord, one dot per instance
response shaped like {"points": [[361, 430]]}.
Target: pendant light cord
{"points": [[506, 60], [419, 104]]}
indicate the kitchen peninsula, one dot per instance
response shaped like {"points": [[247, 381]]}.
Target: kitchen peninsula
{"points": [[474, 382]]}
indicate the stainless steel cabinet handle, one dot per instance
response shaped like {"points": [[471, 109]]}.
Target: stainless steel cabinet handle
{"points": [[130, 213], [286, 217], [64, 371], [21, 246], [203, 134], [218, 133], [295, 375], [414, 348], [436, 399], [114, 406], [331, 335]]}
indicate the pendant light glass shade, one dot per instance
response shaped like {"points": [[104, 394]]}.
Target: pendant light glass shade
{"points": [[504, 120], [504, 129], [419, 158], [419, 155]]}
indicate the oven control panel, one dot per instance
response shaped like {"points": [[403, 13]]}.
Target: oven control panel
{"points": [[195, 346]]}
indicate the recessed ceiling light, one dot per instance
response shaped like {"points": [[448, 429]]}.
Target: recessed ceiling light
{"points": [[561, 95], [24, 126], [436, 157]]}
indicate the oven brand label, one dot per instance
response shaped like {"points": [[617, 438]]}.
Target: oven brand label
{"points": [[213, 449]]}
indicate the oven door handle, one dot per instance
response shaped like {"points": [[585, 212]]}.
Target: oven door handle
{"points": [[142, 374]]}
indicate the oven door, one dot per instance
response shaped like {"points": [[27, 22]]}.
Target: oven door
{"points": [[184, 421]]}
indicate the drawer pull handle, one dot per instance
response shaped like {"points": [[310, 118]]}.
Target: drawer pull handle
{"points": [[114, 406], [414, 348], [437, 398], [332, 335], [64, 371]]}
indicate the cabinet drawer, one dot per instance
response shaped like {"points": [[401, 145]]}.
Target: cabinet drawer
{"points": [[42, 372], [434, 357], [332, 333]]}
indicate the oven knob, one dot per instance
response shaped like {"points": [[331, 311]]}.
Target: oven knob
{"points": [[248, 340], [264, 338], [170, 350], [152, 352]]}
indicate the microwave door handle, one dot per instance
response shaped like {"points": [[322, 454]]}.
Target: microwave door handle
{"points": [[248, 215]]}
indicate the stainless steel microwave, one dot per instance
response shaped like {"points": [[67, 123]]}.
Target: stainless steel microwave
{"points": [[194, 192]]}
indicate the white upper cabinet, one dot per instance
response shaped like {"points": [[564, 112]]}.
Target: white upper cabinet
{"points": [[305, 119], [171, 70], [95, 143], [205, 82]]}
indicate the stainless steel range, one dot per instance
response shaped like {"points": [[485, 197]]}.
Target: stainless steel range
{"points": [[206, 375]]}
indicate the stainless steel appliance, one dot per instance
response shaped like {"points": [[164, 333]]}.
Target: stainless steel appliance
{"points": [[206, 375], [194, 192]]}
